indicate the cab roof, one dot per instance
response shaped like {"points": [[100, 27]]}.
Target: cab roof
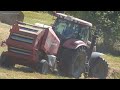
{"points": [[71, 18]]}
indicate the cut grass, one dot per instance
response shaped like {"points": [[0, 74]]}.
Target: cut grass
{"points": [[22, 74], [114, 66], [4, 31], [113, 61]]}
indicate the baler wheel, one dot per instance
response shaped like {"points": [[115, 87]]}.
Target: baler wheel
{"points": [[43, 67], [6, 62]]}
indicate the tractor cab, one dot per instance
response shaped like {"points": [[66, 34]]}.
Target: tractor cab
{"points": [[67, 27]]}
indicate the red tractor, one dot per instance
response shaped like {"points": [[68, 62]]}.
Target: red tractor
{"points": [[63, 47]]}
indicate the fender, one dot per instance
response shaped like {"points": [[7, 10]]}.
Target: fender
{"points": [[96, 55], [74, 44]]}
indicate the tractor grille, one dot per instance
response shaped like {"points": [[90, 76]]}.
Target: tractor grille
{"points": [[19, 51], [22, 38]]}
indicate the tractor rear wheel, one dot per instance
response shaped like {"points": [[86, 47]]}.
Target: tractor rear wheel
{"points": [[74, 61], [98, 68], [6, 62]]}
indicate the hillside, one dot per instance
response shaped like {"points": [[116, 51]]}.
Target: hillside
{"points": [[22, 72]]}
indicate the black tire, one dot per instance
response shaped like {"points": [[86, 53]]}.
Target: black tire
{"points": [[74, 61], [98, 68], [43, 67], [6, 62]]}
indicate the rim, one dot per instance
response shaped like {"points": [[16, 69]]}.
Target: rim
{"points": [[45, 68]]}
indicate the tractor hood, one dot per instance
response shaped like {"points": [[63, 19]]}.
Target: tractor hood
{"points": [[73, 43]]}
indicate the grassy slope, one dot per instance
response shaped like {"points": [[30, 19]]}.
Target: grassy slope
{"points": [[114, 66], [4, 32], [21, 72]]}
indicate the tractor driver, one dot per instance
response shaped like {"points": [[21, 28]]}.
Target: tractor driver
{"points": [[60, 27], [71, 30]]}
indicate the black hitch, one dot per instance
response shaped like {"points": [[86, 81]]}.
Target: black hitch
{"points": [[93, 43]]}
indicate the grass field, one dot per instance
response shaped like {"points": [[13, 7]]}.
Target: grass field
{"points": [[33, 17], [114, 66], [21, 72]]}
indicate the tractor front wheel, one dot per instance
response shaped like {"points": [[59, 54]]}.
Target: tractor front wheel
{"points": [[98, 68], [43, 67]]}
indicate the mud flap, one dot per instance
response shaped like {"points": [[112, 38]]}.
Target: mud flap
{"points": [[96, 55]]}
